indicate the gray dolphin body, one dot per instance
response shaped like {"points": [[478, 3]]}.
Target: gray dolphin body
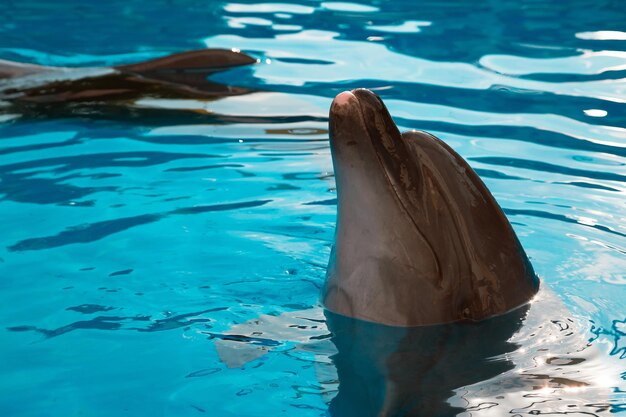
{"points": [[420, 240], [28, 88]]}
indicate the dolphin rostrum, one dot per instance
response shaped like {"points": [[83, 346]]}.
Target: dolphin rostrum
{"points": [[419, 239]]}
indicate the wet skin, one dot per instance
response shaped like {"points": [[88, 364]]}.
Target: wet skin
{"points": [[420, 240]]}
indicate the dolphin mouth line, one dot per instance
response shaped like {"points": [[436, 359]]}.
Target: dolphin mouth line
{"points": [[377, 148], [388, 179]]}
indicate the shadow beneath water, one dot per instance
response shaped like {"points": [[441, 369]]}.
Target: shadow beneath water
{"points": [[395, 371]]}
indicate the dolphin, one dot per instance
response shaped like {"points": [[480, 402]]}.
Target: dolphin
{"points": [[431, 306], [419, 238], [31, 88]]}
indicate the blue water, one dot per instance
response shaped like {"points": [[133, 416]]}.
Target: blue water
{"points": [[126, 242]]}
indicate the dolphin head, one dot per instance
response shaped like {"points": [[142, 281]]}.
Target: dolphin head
{"points": [[420, 239]]}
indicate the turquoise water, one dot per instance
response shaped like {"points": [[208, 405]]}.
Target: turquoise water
{"points": [[128, 244]]}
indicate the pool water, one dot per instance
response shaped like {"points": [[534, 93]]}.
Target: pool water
{"points": [[128, 244]]}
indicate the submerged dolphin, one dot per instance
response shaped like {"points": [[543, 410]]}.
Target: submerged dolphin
{"points": [[26, 87], [419, 238]]}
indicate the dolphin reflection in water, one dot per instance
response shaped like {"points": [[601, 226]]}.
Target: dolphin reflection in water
{"points": [[413, 371], [427, 301]]}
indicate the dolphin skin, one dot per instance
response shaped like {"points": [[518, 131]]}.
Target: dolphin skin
{"points": [[419, 240], [28, 88]]}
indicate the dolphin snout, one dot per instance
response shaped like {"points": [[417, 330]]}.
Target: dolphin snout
{"points": [[345, 113], [343, 98]]}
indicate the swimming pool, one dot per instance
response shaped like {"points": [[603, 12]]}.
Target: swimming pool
{"points": [[128, 244]]}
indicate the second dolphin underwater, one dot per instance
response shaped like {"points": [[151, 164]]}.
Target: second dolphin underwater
{"points": [[428, 290], [43, 91]]}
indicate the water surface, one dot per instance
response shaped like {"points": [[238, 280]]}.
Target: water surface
{"points": [[128, 243]]}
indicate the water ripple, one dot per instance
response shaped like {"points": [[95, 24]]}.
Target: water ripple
{"points": [[138, 237], [552, 168], [92, 232]]}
